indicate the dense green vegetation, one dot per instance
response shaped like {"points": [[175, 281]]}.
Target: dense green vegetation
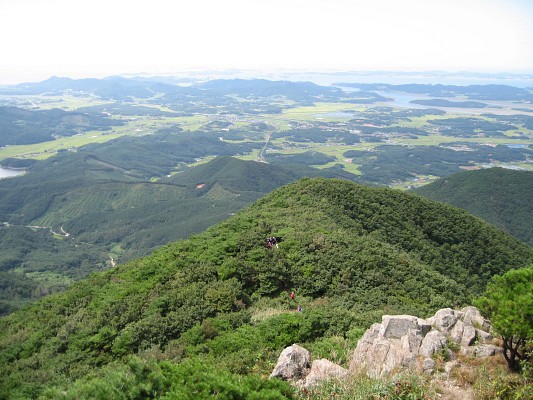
{"points": [[220, 298], [508, 302], [34, 263], [90, 207], [109, 212], [305, 158], [208, 316], [499, 196], [518, 119]]}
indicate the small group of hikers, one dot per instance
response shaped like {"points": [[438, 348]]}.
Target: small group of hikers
{"points": [[271, 242]]}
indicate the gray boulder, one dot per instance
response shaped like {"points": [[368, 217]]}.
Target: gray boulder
{"points": [[473, 318], [428, 365], [469, 336], [445, 319], [456, 333], [411, 341], [322, 370], [433, 342], [387, 346], [404, 340], [395, 326], [487, 350], [292, 364], [485, 337]]}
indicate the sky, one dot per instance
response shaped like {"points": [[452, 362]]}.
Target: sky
{"points": [[96, 38]]}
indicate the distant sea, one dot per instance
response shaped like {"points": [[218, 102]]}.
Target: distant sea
{"points": [[399, 78]]}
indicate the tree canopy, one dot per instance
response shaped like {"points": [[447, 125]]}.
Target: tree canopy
{"points": [[508, 301]]}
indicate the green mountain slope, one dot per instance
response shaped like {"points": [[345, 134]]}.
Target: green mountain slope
{"points": [[96, 207], [500, 196], [220, 298]]}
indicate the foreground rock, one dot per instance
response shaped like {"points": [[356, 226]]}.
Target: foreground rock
{"points": [[405, 341], [293, 366], [400, 341], [322, 370]]}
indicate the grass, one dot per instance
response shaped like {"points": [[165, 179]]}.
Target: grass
{"points": [[434, 140], [250, 156], [264, 314], [360, 387]]}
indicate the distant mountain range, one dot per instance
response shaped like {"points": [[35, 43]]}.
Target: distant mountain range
{"points": [[500, 196], [474, 92], [119, 88]]}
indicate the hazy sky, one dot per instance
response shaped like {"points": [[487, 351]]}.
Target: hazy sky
{"points": [[78, 38]]}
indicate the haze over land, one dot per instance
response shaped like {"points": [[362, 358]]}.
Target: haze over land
{"points": [[100, 38]]}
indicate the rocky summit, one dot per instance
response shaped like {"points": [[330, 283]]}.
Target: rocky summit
{"points": [[398, 342]]}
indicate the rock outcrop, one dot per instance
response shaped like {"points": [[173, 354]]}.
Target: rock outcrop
{"points": [[402, 341], [322, 370], [293, 363], [293, 366]]}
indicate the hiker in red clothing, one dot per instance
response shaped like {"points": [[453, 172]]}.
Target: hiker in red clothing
{"points": [[292, 295]]}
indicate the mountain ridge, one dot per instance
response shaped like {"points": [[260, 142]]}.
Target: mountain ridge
{"points": [[350, 252], [112, 216], [500, 196]]}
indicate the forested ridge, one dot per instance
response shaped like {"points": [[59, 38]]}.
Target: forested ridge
{"points": [[107, 213], [22, 126], [499, 196], [216, 306]]}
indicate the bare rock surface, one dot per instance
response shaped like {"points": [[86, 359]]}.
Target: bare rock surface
{"points": [[432, 343], [322, 370], [400, 342], [407, 341], [292, 364]]}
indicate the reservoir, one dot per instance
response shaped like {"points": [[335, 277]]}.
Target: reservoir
{"points": [[10, 173]]}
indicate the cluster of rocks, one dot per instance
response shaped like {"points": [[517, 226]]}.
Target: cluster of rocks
{"points": [[407, 341], [400, 341], [294, 365]]}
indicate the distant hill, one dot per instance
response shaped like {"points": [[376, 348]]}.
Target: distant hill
{"points": [[500, 196], [104, 210], [267, 88], [112, 88], [22, 126], [219, 301], [124, 89], [475, 92]]}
